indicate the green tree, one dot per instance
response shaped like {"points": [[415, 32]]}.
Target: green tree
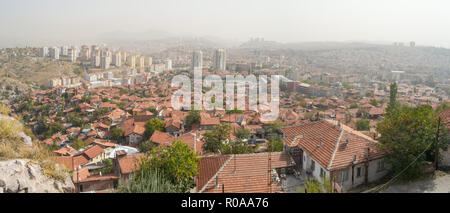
{"points": [[179, 163], [79, 144], [242, 133], [153, 110], [108, 168], [236, 146], [273, 128], [276, 144], [215, 138], [192, 118], [443, 106], [117, 134], [148, 180], [363, 124], [373, 102], [392, 97], [353, 106], [408, 136], [316, 186], [152, 125], [146, 146]]}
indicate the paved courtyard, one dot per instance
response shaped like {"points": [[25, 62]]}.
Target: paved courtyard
{"points": [[439, 184]]}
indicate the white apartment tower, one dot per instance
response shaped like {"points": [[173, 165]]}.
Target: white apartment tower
{"points": [[72, 54], [54, 53], [64, 51], [168, 64], [197, 60], [148, 61], [220, 60], [117, 59], [43, 52]]}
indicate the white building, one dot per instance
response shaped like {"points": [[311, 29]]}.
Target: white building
{"points": [[197, 60], [148, 61], [64, 51], [220, 60], [43, 52], [117, 59], [327, 148], [105, 62], [72, 54], [168, 64], [54, 53]]}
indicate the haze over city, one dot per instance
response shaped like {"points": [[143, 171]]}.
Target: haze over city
{"points": [[28, 22]]}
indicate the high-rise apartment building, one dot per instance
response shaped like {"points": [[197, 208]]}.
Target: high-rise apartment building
{"points": [[54, 53], [43, 52], [219, 60], [168, 64], [197, 60]]}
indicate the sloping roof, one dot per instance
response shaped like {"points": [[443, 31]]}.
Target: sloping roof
{"points": [[332, 146], [71, 162], [209, 121], [162, 138], [129, 163], [245, 173], [93, 151], [208, 167], [189, 138]]}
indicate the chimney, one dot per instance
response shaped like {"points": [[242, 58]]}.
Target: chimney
{"points": [[195, 143], [320, 142], [339, 123], [217, 182]]}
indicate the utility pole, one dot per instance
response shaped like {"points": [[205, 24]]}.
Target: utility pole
{"points": [[436, 151]]}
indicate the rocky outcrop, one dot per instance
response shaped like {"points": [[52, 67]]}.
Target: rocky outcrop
{"points": [[25, 138], [23, 176]]}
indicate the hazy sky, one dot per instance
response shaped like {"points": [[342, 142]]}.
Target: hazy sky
{"points": [[424, 21]]}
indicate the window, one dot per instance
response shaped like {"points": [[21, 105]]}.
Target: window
{"points": [[313, 165], [380, 166], [322, 172], [359, 171], [344, 176]]}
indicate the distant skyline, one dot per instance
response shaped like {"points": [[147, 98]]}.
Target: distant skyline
{"points": [[32, 22]]}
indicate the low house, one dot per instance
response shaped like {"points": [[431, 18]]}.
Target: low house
{"points": [[133, 131], [208, 123], [193, 141], [94, 154], [125, 165], [328, 148], [173, 125], [84, 182], [243, 173], [162, 138]]}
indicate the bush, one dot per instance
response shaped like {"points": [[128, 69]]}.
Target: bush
{"points": [[4, 110], [363, 124]]}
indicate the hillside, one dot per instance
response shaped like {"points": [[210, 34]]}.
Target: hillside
{"points": [[26, 166]]}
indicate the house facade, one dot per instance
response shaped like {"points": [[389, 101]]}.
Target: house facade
{"points": [[326, 148]]}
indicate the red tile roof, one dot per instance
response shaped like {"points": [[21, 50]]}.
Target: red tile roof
{"points": [[326, 143], [208, 167], [162, 138], [93, 151], [129, 163], [246, 173], [209, 121]]}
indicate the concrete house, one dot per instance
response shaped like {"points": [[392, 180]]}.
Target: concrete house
{"points": [[327, 148]]}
